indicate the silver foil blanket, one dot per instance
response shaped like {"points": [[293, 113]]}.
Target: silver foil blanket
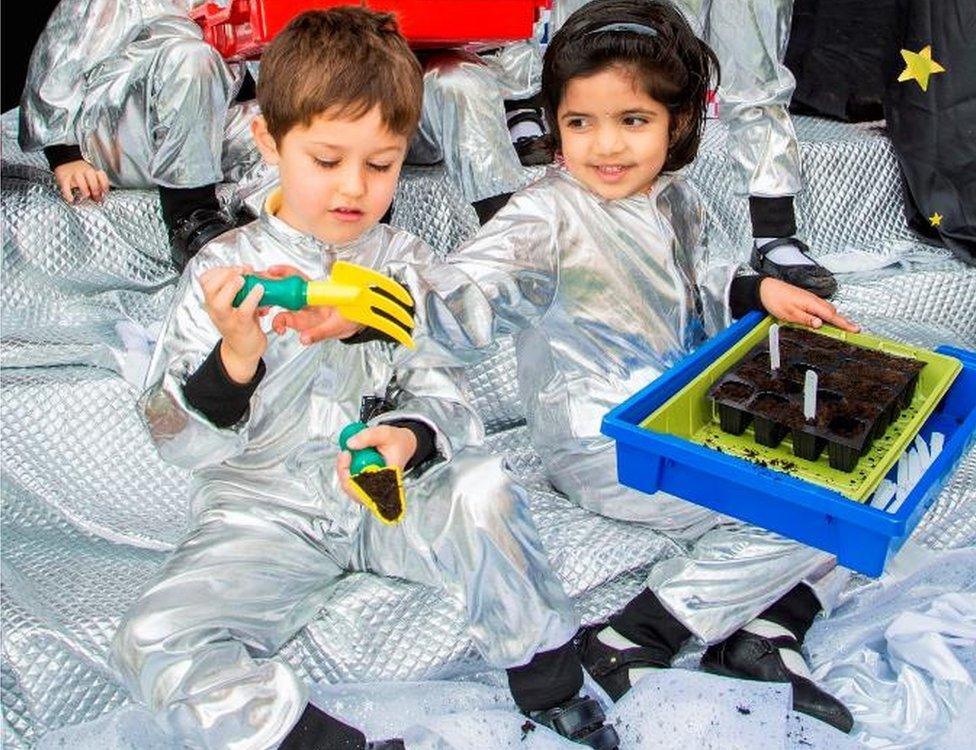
{"points": [[90, 511]]}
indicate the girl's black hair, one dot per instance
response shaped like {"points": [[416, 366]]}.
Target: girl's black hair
{"points": [[671, 64]]}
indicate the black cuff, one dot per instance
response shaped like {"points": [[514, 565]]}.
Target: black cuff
{"points": [[317, 730], [426, 441], [211, 391], [551, 678], [366, 335], [772, 217], [61, 154], [647, 623], [744, 295], [795, 611]]}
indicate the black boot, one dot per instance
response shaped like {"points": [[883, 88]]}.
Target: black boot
{"points": [[810, 276], [775, 218], [756, 655], [194, 231], [610, 666], [192, 217], [316, 730], [546, 690], [753, 657], [580, 720]]}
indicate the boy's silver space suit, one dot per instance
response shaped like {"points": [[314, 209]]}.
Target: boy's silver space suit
{"points": [[272, 531]]}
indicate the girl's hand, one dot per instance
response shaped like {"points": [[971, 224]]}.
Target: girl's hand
{"points": [[81, 176], [244, 342], [796, 305], [313, 324], [396, 444]]}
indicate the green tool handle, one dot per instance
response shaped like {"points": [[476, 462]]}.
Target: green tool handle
{"points": [[290, 292], [361, 459]]}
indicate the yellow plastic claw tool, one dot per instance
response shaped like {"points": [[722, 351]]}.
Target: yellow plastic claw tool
{"points": [[359, 294]]}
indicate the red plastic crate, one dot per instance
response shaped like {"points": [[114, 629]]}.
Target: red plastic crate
{"points": [[242, 29]]}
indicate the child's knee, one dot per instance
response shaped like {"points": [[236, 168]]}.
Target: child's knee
{"points": [[483, 493], [455, 77], [188, 60]]}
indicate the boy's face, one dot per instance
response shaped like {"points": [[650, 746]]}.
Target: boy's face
{"points": [[614, 136], [338, 176]]}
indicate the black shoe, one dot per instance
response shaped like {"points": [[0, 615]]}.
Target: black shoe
{"points": [[386, 745], [814, 278], [194, 231], [610, 666], [580, 720], [535, 152], [753, 657]]}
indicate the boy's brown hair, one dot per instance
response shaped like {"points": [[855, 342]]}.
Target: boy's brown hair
{"points": [[344, 61]]}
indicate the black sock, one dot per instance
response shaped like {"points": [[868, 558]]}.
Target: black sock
{"points": [[551, 678], [795, 611], [772, 217], [316, 730], [647, 623], [178, 203], [488, 207]]}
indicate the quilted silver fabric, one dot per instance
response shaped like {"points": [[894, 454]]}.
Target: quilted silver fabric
{"points": [[89, 510]]}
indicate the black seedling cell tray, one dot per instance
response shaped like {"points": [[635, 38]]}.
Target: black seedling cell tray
{"points": [[860, 392]]}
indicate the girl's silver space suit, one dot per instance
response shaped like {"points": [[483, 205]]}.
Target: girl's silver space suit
{"points": [[602, 297]]}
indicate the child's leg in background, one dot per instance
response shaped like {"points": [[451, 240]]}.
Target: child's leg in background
{"points": [[750, 38], [195, 647], [464, 121], [157, 115]]}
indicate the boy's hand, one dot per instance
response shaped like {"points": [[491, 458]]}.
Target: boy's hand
{"points": [[396, 444], [313, 324], [795, 305], [243, 340], [81, 176]]}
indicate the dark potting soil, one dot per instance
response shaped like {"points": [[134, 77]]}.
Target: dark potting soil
{"points": [[384, 490], [860, 391]]}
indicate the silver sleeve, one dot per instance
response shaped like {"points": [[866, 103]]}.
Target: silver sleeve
{"points": [[182, 435]]}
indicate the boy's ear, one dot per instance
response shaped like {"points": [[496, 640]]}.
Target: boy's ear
{"points": [[264, 140]]}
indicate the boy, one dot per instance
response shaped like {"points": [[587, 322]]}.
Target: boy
{"points": [[255, 413], [127, 94]]}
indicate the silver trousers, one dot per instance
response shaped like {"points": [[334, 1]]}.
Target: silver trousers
{"points": [[163, 115], [728, 571], [198, 645]]}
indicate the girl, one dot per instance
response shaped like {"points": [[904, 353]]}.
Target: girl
{"points": [[600, 272]]}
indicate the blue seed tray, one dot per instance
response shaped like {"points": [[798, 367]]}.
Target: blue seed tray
{"points": [[863, 538]]}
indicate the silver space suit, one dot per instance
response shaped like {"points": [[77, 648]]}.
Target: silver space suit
{"points": [[272, 531], [133, 85], [602, 297], [464, 119]]}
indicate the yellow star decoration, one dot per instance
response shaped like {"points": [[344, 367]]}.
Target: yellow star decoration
{"points": [[919, 66], [935, 219]]}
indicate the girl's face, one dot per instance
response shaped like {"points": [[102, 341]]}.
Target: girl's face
{"points": [[614, 136]]}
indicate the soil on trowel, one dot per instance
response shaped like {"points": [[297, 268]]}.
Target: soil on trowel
{"points": [[384, 490]]}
